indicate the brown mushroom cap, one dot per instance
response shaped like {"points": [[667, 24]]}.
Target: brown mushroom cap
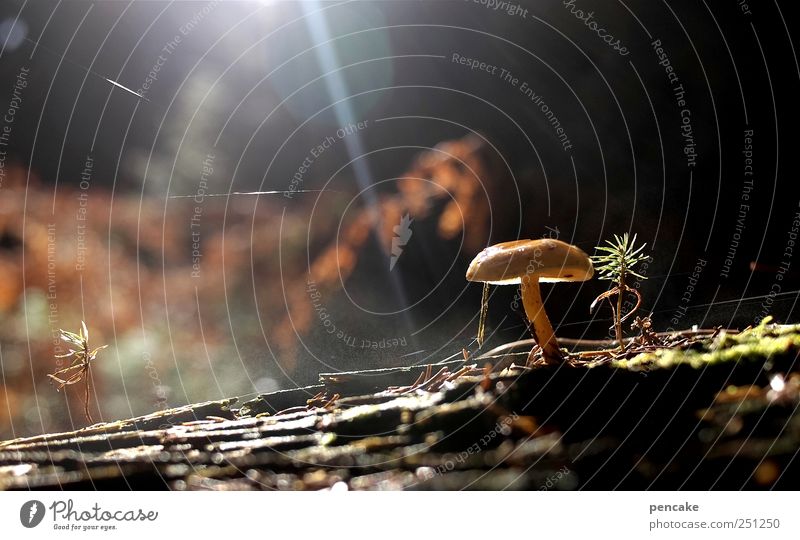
{"points": [[547, 259]]}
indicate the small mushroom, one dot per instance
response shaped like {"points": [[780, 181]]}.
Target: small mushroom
{"points": [[528, 262]]}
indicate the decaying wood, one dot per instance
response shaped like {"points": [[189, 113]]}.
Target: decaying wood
{"points": [[451, 426]]}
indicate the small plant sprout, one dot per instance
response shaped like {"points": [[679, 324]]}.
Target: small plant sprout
{"points": [[616, 263], [81, 365]]}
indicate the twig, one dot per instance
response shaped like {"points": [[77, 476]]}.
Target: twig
{"points": [[484, 311], [82, 357]]}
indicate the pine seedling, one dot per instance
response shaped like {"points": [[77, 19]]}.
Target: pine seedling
{"points": [[615, 263]]}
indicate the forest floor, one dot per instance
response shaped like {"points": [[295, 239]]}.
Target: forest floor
{"points": [[700, 409]]}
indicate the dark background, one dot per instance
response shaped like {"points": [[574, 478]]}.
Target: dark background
{"points": [[221, 90]]}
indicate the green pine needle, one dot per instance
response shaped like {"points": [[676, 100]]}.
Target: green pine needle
{"points": [[618, 258]]}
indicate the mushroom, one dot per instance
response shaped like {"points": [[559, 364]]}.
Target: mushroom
{"points": [[528, 262]]}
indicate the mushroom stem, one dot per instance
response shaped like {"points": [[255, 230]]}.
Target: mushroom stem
{"points": [[542, 329]]}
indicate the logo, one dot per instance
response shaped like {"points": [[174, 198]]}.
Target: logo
{"points": [[31, 514], [402, 234]]}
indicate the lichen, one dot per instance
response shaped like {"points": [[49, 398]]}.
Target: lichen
{"points": [[760, 343]]}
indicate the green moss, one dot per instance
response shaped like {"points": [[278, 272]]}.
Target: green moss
{"points": [[760, 343]]}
